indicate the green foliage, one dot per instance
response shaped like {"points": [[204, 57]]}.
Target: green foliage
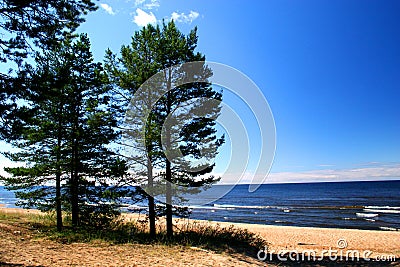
{"points": [[26, 25], [65, 129], [220, 238], [99, 216], [43, 22], [62, 115], [161, 48]]}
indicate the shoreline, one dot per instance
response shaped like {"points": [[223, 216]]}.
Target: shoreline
{"points": [[256, 225], [377, 243]]}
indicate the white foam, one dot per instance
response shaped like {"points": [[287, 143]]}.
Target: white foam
{"points": [[367, 215], [382, 207], [226, 206], [388, 228], [382, 211], [209, 208], [136, 207]]}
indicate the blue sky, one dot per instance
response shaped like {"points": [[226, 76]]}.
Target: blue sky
{"points": [[330, 71]]}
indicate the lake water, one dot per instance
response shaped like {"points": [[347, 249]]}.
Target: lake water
{"points": [[359, 205]]}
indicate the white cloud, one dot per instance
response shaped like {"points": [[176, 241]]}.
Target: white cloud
{"points": [[139, 2], [107, 8], [152, 4], [381, 172], [142, 18], [147, 4], [185, 18]]}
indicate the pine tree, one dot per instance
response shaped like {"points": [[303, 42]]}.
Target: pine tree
{"points": [[134, 67], [68, 125], [161, 49], [194, 134], [26, 26]]}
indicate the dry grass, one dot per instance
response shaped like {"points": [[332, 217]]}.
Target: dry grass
{"points": [[24, 241], [27, 238]]}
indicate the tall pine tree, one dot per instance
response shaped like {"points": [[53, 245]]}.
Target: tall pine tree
{"points": [[128, 73], [67, 125], [196, 135], [161, 49]]}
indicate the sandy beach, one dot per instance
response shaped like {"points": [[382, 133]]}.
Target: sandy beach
{"points": [[280, 238], [18, 246], [306, 238]]}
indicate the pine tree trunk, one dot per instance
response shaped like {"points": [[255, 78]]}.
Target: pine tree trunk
{"points": [[74, 202], [152, 212], [58, 202], [75, 167], [74, 187], [168, 199], [168, 176], [58, 179]]}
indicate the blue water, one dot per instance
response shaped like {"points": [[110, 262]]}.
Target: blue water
{"points": [[359, 205], [7, 198]]}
